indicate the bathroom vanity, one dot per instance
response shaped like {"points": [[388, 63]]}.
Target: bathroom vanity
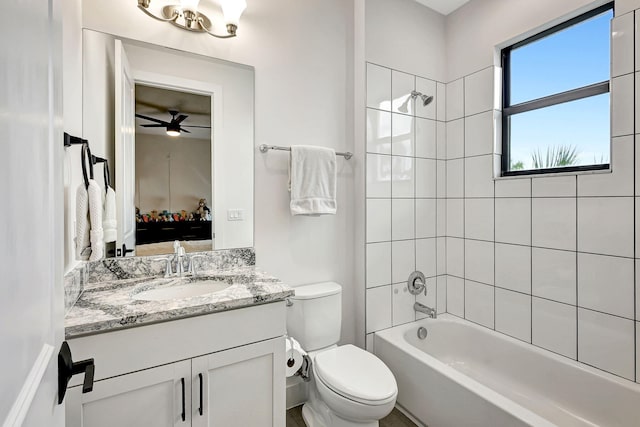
{"points": [[201, 360]]}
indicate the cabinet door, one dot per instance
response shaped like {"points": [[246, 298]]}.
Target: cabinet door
{"points": [[156, 397], [242, 387]]}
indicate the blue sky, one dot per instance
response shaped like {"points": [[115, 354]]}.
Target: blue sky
{"points": [[576, 57]]}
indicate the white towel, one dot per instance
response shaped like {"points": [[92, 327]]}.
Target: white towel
{"points": [[95, 219], [109, 222], [312, 180], [83, 242]]}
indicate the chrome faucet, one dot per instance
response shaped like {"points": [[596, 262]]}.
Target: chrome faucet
{"points": [[430, 312], [192, 267]]}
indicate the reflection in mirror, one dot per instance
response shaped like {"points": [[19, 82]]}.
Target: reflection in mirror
{"points": [[172, 171], [130, 85]]}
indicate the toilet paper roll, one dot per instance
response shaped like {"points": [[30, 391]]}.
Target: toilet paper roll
{"points": [[294, 356]]}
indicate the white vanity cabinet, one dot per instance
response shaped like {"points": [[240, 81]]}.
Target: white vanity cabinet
{"points": [[228, 368]]}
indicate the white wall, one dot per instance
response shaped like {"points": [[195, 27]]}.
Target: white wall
{"points": [[172, 173], [301, 55], [548, 260]]}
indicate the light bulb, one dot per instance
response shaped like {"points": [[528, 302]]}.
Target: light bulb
{"points": [[232, 10], [189, 5]]}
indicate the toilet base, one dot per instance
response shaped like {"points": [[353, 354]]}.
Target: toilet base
{"points": [[313, 419]]}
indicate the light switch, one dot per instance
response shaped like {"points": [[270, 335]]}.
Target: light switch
{"points": [[235, 215]]}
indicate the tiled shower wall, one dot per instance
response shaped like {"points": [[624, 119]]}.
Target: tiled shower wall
{"points": [[549, 260], [405, 193]]}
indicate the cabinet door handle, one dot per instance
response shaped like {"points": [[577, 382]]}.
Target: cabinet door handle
{"points": [[200, 409], [184, 413]]}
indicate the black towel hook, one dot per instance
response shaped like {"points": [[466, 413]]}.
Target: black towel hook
{"points": [[86, 155]]}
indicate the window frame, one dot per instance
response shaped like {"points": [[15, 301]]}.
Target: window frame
{"points": [[546, 101]]}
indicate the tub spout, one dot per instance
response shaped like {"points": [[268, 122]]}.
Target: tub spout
{"points": [[426, 310]]}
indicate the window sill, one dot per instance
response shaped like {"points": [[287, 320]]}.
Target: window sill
{"points": [[552, 174]]}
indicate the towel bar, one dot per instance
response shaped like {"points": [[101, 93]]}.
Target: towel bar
{"points": [[264, 148]]}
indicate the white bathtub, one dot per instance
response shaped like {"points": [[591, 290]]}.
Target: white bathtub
{"points": [[464, 375]]}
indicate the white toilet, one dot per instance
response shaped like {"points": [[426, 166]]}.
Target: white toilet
{"points": [[349, 386]]}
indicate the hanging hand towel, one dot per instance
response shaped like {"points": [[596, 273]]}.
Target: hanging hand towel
{"points": [[95, 219], [312, 180], [109, 222], [83, 243]]}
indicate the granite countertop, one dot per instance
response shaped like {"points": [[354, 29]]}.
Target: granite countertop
{"points": [[112, 305]]}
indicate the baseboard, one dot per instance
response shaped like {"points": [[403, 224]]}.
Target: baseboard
{"points": [[410, 416]]}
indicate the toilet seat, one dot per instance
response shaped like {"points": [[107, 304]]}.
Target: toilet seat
{"points": [[356, 375]]}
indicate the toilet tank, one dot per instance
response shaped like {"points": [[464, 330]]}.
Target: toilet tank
{"points": [[315, 316]]}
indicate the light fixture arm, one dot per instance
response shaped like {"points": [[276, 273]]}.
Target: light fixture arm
{"points": [[231, 29], [143, 6]]}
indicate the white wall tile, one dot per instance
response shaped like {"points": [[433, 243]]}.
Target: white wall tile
{"points": [[513, 267], [520, 187], [553, 327], [622, 40], [513, 314], [378, 131], [605, 225], [554, 275], [378, 308], [426, 87], [478, 176], [455, 139], [479, 91], [637, 291], [441, 102], [403, 177], [441, 219], [622, 91], [513, 221], [378, 220], [553, 223], [441, 178], [401, 86], [369, 343], [403, 260], [441, 140], [441, 282], [378, 264], [426, 177], [626, 6], [555, 186], [637, 351], [605, 283], [478, 219], [455, 178], [425, 218], [403, 219], [455, 296], [455, 217], [478, 303], [637, 33], [455, 257], [425, 137], [402, 304], [637, 115], [378, 176], [378, 87], [441, 255], [430, 299], [402, 135], [478, 134], [426, 256], [617, 183], [606, 342], [478, 261], [455, 99]]}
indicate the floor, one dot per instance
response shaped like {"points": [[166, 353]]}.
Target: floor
{"points": [[394, 419]]}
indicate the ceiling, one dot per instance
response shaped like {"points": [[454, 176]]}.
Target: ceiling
{"points": [[444, 7], [156, 102]]}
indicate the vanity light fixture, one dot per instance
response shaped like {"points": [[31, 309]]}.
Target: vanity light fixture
{"points": [[186, 16]]}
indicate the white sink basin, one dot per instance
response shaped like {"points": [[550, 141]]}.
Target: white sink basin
{"points": [[203, 287]]}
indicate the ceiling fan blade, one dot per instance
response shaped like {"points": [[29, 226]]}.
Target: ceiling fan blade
{"points": [[154, 126], [152, 119], [194, 126], [183, 130], [179, 119]]}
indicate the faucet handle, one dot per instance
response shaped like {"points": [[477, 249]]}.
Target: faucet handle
{"points": [[417, 283], [192, 267]]}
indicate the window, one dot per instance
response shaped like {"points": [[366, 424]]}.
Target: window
{"points": [[556, 98]]}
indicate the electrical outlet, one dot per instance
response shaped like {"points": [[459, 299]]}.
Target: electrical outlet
{"points": [[235, 215]]}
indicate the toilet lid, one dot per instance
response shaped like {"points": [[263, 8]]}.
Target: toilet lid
{"points": [[356, 374]]}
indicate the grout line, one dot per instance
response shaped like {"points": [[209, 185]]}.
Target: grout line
{"points": [[577, 278]]}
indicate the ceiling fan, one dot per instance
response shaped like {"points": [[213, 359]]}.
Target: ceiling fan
{"points": [[174, 127]]}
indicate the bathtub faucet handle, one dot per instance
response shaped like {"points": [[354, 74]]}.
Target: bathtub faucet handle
{"points": [[417, 283]]}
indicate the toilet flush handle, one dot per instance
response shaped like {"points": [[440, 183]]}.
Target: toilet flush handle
{"points": [[288, 302]]}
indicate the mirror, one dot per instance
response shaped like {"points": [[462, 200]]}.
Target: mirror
{"points": [[176, 129]]}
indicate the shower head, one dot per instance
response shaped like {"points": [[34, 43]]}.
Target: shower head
{"points": [[426, 99]]}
